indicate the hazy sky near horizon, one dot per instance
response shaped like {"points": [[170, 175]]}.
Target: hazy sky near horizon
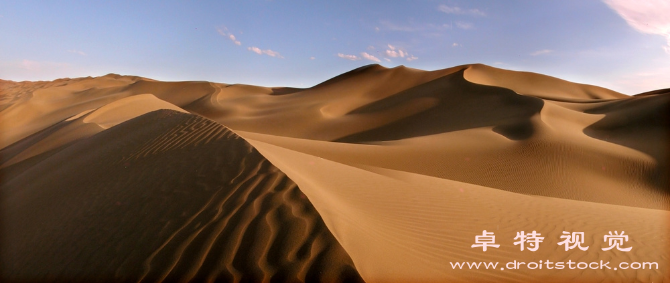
{"points": [[623, 45]]}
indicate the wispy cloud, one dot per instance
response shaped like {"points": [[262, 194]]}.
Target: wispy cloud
{"points": [[77, 52], [224, 32], [370, 57], [639, 82], [312, 58], [650, 16], [464, 25], [459, 11], [395, 52], [266, 52], [387, 25], [541, 52], [37, 66], [348, 57], [232, 37]]}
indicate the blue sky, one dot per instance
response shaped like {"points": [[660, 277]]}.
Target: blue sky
{"points": [[619, 44]]}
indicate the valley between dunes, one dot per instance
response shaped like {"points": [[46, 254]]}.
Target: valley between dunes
{"points": [[376, 175]]}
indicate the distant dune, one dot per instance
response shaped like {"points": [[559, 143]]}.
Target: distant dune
{"points": [[377, 175]]}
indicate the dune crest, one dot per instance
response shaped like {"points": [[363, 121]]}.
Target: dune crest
{"points": [[222, 212], [378, 174]]}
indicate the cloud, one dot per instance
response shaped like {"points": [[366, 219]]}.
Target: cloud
{"points": [[387, 59], [223, 32], [395, 27], [266, 52], [256, 49], [464, 25], [348, 57], [541, 52], [639, 82], [77, 52], [455, 44], [370, 57], [31, 65], [37, 66], [395, 52], [650, 16], [232, 37], [459, 11], [312, 58]]}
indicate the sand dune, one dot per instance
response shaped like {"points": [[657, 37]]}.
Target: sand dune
{"points": [[378, 174], [128, 211]]}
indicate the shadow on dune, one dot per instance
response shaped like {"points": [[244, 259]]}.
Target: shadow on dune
{"points": [[166, 196], [457, 104], [641, 122]]}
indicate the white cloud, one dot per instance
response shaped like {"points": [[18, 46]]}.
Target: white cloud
{"points": [[266, 52], [387, 59], [650, 16], [312, 58], [30, 65], [395, 27], [371, 47], [232, 37], [455, 44], [395, 52], [256, 49], [37, 66], [77, 52], [370, 57], [634, 83], [392, 52], [541, 52], [348, 57], [458, 10], [464, 25], [223, 32]]}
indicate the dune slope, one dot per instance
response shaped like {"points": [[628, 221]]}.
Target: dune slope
{"points": [[170, 196], [398, 171]]}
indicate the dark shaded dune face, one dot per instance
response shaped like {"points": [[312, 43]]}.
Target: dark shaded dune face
{"points": [[16, 148], [640, 122], [455, 104], [166, 196]]}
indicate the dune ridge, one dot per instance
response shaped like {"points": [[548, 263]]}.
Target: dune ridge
{"points": [[378, 174], [222, 213]]}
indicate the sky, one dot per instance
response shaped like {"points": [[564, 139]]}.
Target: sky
{"points": [[623, 45]]}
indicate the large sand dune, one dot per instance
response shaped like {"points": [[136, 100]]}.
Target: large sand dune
{"points": [[393, 172]]}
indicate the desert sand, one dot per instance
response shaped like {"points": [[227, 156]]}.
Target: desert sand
{"points": [[376, 175]]}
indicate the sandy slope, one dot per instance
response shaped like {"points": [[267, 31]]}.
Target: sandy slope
{"points": [[406, 227], [171, 196], [404, 167]]}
